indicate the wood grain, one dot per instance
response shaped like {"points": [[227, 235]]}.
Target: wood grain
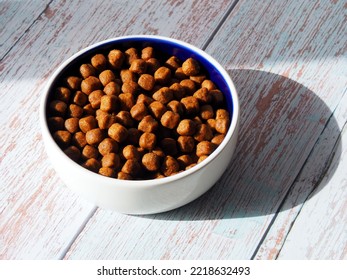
{"points": [[39, 218]]}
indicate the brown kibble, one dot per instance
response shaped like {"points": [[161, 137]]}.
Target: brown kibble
{"points": [[190, 67], [153, 65], [79, 139], [202, 158], [94, 136], [112, 88], [157, 109], [107, 146], [222, 125], [71, 125], [124, 176], [109, 103], [206, 112], [170, 119], [176, 107], [169, 146], [57, 108], [88, 110], [62, 94], [130, 152], [222, 114], [190, 166], [125, 119], [62, 137], [138, 111], [87, 70], [139, 66], [130, 87], [203, 132], [79, 98], [107, 171], [178, 91], [162, 75], [127, 101], [90, 84], [203, 95], [218, 139], [147, 141], [106, 77], [95, 98], [130, 55], [148, 124], [111, 160], [173, 63], [198, 78], [126, 76], [87, 123], [186, 144], [118, 132], [147, 53], [132, 167], [190, 104], [189, 86], [92, 164], [145, 99], [204, 148], [212, 124], [74, 111], [184, 161], [146, 81], [134, 136], [163, 95], [73, 82], [116, 58], [186, 127], [73, 153], [105, 120], [217, 97], [179, 74], [151, 161], [55, 123], [99, 62], [170, 166], [90, 152], [208, 84]]}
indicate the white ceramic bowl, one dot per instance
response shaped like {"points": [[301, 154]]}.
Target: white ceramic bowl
{"points": [[146, 196]]}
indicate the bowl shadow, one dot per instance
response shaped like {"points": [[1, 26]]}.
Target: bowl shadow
{"points": [[280, 140]]}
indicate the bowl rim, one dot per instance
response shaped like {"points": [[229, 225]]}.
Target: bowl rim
{"points": [[232, 131]]}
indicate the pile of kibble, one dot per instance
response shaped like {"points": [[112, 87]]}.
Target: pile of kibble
{"points": [[135, 114]]}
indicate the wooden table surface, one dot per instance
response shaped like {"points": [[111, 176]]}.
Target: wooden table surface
{"points": [[284, 195]]}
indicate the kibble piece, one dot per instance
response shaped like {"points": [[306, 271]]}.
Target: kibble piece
{"points": [[126, 75], [105, 120], [203, 96], [130, 152], [173, 63], [124, 176], [55, 123], [130, 55], [208, 84], [212, 124], [190, 166], [222, 114], [90, 84], [170, 166], [75, 111], [178, 91], [204, 148], [111, 160], [186, 144], [139, 66], [179, 74], [106, 77], [79, 139], [112, 88], [87, 70], [62, 137], [153, 65], [73, 82], [62, 94], [127, 101], [130, 87], [147, 53], [162, 75], [87, 123], [125, 119], [99, 62], [146, 82], [90, 152], [163, 95], [107, 146], [186, 127], [57, 108], [190, 104], [203, 132], [176, 107], [145, 99], [202, 158], [109, 103], [118, 132], [184, 161], [134, 136], [131, 167], [94, 136], [218, 139], [107, 171], [148, 124], [95, 98], [151, 161], [169, 146], [92, 164], [190, 67], [170, 119], [79, 98], [147, 140], [71, 125], [198, 78], [217, 97], [88, 110], [189, 86], [222, 125], [206, 112], [73, 153], [116, 58], [138, 111], [157, 109]]}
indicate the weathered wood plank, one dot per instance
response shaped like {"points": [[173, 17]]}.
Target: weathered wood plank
{"points": [[288, 90], [15, 18], [38, 216]]}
